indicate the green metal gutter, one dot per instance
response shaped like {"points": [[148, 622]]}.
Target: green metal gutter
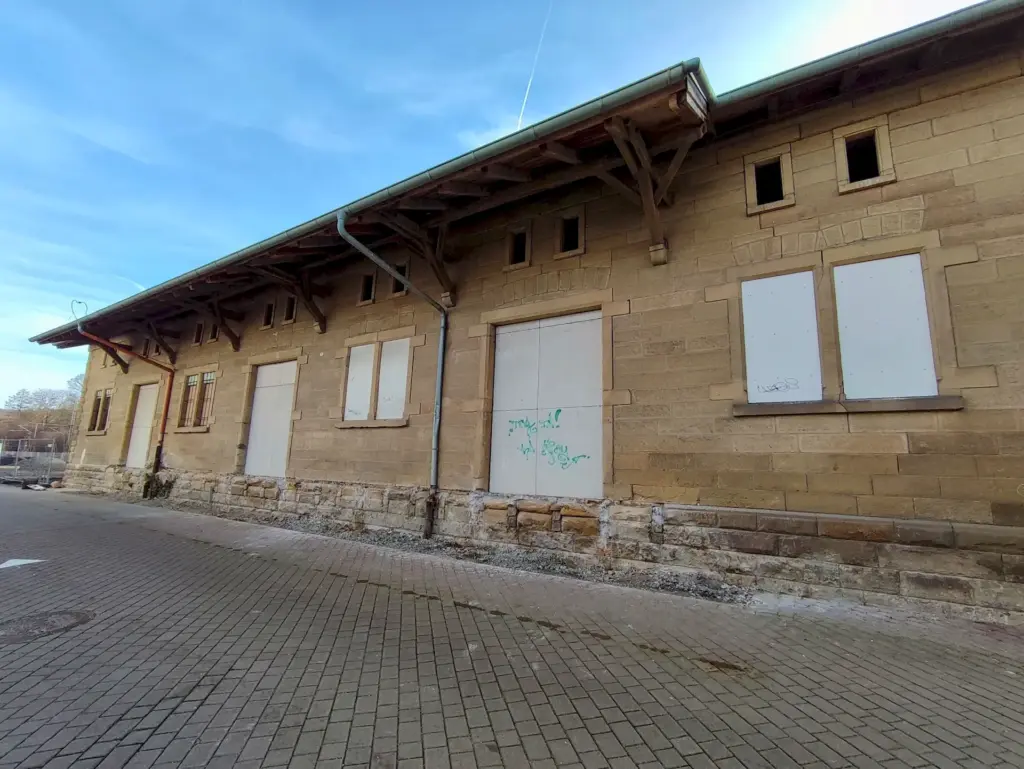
{"points": [[664, 80], [906, 38]]}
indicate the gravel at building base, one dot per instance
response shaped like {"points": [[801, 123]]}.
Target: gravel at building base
{"points": [[695, 585]]}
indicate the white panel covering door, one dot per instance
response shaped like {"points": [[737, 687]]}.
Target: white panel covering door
{"points": [[271, 420], [884, 340], [142, 426], [780, 339], [546, 435]]}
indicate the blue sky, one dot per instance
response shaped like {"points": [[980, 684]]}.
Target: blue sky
{"points": [[142, 139]]}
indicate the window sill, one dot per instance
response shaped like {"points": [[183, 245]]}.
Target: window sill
{"points": [[867, 406], [878, 181], [569, 254], [199, 429], [364, 303], [95, 432], [786, 202], [516, 266], [360, 423]]}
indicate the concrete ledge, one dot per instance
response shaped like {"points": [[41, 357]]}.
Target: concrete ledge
{"points": [[869, 406]]}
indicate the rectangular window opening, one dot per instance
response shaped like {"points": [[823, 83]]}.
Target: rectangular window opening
{"points": [[197, 336], [397, 287], [289, 309], [205, 399], [518, 248], [366, 287], [359, 382], [268, 314], [885, 342], [188, 399], [392, 375], [145, 348], [156, 351], [101, 423], [780, 339], [862, 157], [570, 234], [94, 416], [214, 333], [768, 181]]}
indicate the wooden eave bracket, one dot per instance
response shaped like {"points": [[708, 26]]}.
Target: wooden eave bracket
{"points": [[304, 289], [160, 337], [221, 316], [652, 184], [112, 352], [427, 244]]}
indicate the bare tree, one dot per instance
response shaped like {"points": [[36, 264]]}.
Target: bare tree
{"points": [[43, 410]]}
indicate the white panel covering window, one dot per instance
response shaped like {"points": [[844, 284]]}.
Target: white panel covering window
{"points": [[884, 338], [546, 430], [780, 335], [384, 366], [391, 382], [360, 382]]}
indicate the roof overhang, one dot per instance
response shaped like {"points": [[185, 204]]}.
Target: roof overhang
{"points": [[632, 139]]}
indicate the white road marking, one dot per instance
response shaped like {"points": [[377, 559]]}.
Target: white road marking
{"points": [[12, 562]]}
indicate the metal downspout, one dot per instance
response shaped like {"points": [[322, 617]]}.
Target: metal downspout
{"points": [[435, 437], [158, 455]]}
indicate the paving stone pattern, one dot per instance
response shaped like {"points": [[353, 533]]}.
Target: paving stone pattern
{"points": [[217, 643]]}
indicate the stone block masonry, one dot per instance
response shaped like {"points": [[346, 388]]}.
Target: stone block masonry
{"points": [[969, 569], [905, 499]]}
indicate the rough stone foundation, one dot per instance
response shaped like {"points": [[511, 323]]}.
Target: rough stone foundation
{"points": [[963, 568]]}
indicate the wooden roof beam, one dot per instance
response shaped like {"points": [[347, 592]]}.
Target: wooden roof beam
{"points": [[463, 189], [504, 173], [421, 204], [558, 151]]}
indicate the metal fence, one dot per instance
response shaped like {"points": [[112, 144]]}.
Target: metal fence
{"points": [[33, 459]]}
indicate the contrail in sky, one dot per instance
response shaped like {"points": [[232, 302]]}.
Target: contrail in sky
{"points": [[533, 69]]}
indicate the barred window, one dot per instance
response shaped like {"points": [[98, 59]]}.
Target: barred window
{"points": [[205, 399], [188, 399]]}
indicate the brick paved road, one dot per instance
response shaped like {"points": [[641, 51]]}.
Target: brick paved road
{"points": [[217, 644]]}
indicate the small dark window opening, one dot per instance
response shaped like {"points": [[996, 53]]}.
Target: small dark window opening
{"points": [[268, 314], [156, 351], [768, 182], [397, 286], [517, 253], [862, 157], [145, 348], [570, 236], [366, 288], [289, 309], [214, 332], [197, 337]]}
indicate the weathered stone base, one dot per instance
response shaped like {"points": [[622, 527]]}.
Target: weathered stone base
{"points": [[971, 569]]}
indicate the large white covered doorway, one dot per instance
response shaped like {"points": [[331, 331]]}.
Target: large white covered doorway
{"points": [[142, 426], [271, 420], [546, 435]]}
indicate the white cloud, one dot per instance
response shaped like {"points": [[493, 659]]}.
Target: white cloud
{"points": [[471, 138], [311, 133]]}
